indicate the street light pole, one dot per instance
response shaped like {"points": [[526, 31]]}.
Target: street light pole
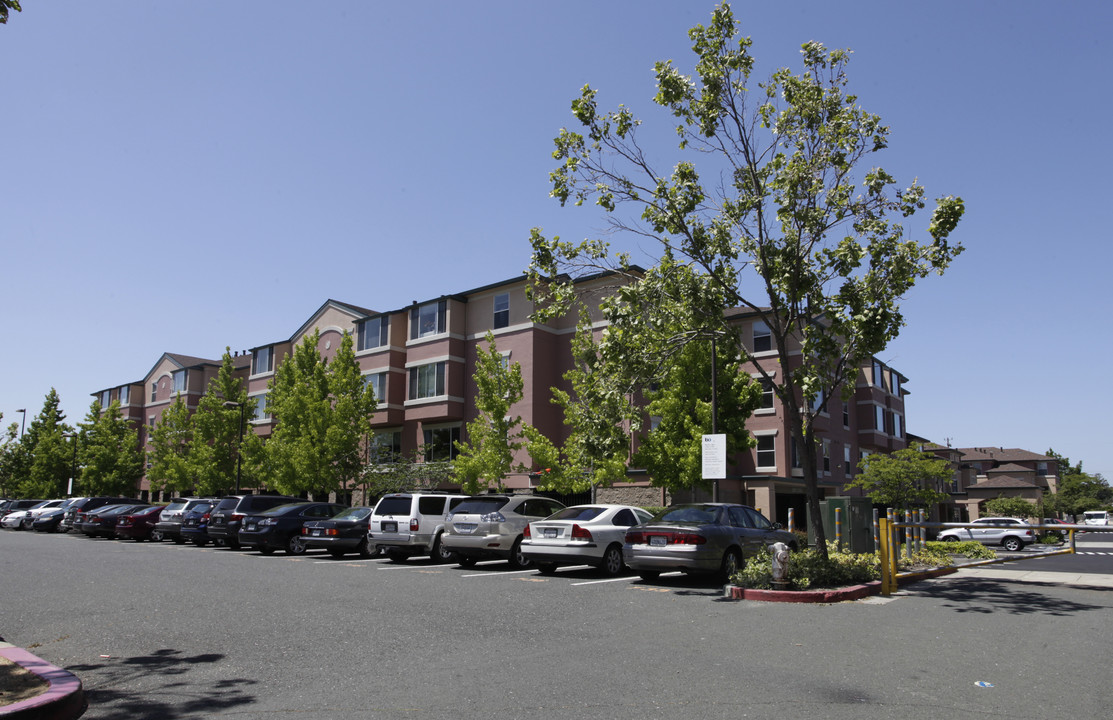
{"points": [[24, 423], [239, 447], [73, 467]]}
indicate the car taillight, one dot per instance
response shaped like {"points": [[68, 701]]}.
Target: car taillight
{"points": [[526, 533], [205, 517], [635, 537], [414, 524], [236, 516], [493, 517], [638, 537], [578, 533]]}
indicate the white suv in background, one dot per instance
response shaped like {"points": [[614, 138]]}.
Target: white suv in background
{"points": [[407, 524], [1010, 533]]}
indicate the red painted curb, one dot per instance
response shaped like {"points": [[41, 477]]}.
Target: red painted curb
{"points": [[853, 592], [64, 698]]}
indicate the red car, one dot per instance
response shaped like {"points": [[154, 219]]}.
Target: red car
{"points": [[138, 525]]}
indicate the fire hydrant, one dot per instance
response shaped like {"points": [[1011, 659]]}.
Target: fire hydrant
{"points": [[780, 554]]}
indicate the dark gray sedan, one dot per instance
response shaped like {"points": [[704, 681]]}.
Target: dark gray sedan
{"points": [[701, 538]]}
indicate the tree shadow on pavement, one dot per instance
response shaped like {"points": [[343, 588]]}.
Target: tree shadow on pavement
{"points": [[176, 696], [991, 595]]}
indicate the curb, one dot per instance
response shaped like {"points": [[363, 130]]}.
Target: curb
{"points": [[853, 592], [64, 698]]}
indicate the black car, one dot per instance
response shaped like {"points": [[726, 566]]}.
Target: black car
{"points": [[344, 533], [225, 518], [85, 504], [49, 520], [280, 527], [195, 523], [102, 521]]}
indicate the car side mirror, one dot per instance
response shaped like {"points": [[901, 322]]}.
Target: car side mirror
{"points": [[777, 526]]}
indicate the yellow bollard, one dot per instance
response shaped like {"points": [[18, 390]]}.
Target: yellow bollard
{"points": [[838, 528], [883, 551]]}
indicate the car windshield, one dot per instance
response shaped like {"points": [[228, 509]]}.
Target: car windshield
{"points": [[44, 503], [702, 514], [1094, 514], [481, 505], [394, 505], [355, 513], [582, 513]]}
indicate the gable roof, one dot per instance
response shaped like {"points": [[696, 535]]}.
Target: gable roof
{"points": [[1001, 482]]}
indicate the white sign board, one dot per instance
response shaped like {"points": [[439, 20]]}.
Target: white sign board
{"points": [[714, 457]]}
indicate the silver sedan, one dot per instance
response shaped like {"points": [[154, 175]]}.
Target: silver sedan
{"points": [[582, 535]]}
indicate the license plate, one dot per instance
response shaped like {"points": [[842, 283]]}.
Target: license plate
{"points": [[317, 533], [390, 527], [658, 540], [251, 527], [550, 532]]}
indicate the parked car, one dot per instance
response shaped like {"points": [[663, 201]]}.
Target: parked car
{"points": [[407, 524], [102, 521], [17, 511], [226, 517], [139, 525], [195, 523], [1056, 521], [701, 538], [582, 534], [44, 506], [279, 528], [342, 533], [1095, 517], [169, 525], [84, 504], [49, 520], [491, 526], [1010, 533]]}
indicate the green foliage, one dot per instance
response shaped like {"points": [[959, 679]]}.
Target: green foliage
{"points": [[808, 569], [1078, 492], [903, 480], [170, 441], [5, 7], [793, 196], [404, 474], [44, 461], [217, 431], [321, 412], [1014, 507], [966, 548], [9, 453], [110, 454], [494, 436]]}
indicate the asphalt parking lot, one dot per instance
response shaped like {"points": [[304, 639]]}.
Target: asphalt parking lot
{"points": [[165, 631]]}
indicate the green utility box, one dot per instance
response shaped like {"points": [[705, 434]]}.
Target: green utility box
{"points": [[856, 514]]}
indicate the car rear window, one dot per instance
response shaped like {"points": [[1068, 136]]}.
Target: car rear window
{"points": [[578, 513], [175, 505], [356, 513], [399, 505], [689, 513], [481, 505]]}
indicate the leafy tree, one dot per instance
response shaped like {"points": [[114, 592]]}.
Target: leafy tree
{"points": [[111, 457], [1065, 468], [171, 443], [487, 456], [9, 452], [404, 474], [45, 460], [792, 224], [5, 7], [1079, 492], [902, 480], [1014, 507], [217, 430], [321, 413]]}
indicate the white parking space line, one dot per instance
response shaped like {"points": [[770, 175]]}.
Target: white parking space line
{"points": [[348, 560], [608, 580], [403, 566], [500, 574]]}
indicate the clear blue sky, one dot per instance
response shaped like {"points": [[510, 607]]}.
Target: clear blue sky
{"points": [[178, 177]]}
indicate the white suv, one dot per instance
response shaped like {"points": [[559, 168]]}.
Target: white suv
{"points": [[1010, 533], [407, 524]]}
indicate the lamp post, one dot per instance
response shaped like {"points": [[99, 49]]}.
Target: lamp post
{"points": [[239, 447], [73, 466], [24, 423]]}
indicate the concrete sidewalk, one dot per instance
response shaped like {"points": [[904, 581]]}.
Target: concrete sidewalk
{"points": [[1056, 578], [64, 698]]}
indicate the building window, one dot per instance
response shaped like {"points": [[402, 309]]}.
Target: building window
{"points": [[427, 381], [846, 461], [262, 360], [154, 391], [125, 395], [897, 423], [179, 377], [105, 399], [377, 382], [826, 456], [374, 333], [817, 403], [766, 393], [386, 446], [796, 464], [261, 414], [428, 319], [151, 422], [846, 414], [895, 382], [1041, 468], [763, 338], [766, 451], [879, 375], [440, 443], [502, 310], [879, 419]]}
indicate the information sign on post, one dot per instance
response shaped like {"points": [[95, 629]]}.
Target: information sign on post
{"points": [[714, 457]]}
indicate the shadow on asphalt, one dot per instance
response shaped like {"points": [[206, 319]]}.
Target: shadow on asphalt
{"points": [[104, 683], [992, 595]]}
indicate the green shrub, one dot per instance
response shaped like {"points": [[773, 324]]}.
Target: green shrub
{"points": [[807, 570], [966, 548], [1050, 537]]}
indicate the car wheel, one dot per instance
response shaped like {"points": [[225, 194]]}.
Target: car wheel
{"points": [[1012, 544], [731, 563], [266, 550], [397, 556], [649, 575], [612, 561], [465, 561], [336, 552], [547, 568], [295, 545], [441, 553], [518, 561], [365, 550], [156, 536], [950, 538]]}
